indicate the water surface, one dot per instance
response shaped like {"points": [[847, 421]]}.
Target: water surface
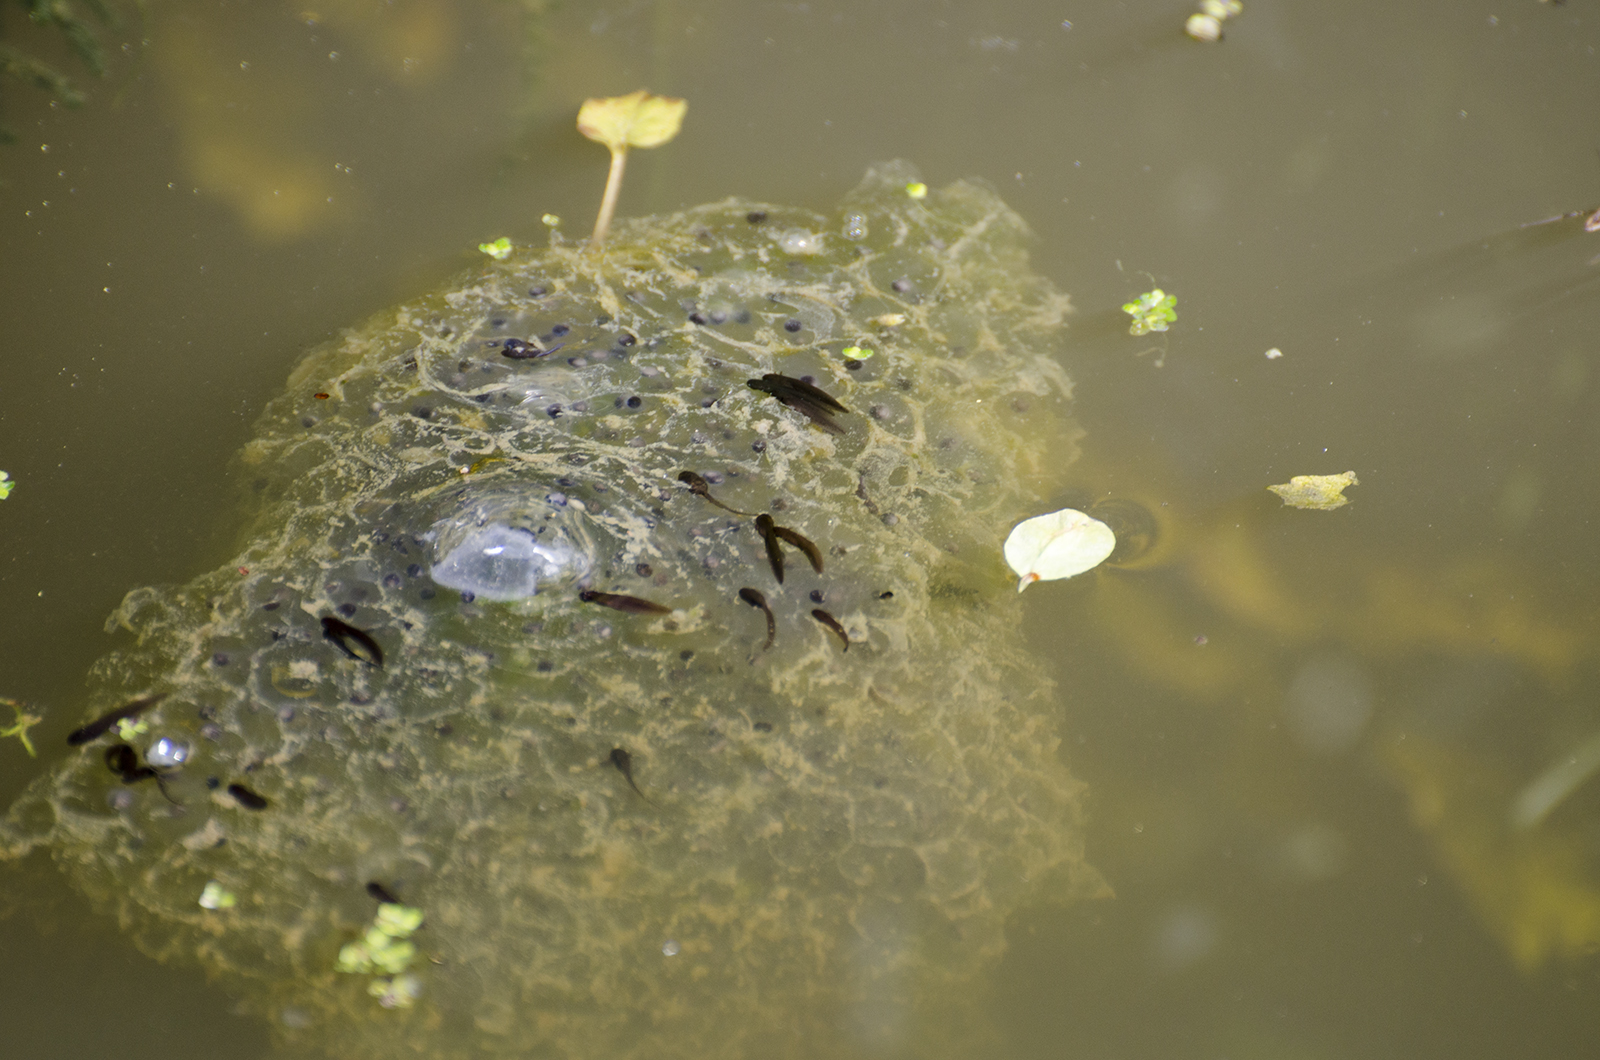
{"points": [[1293, 876]]}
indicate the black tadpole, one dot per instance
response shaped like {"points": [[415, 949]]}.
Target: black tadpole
{"points": [[624, 763], [772, 533], [832, 623], [769, 536], [814, 403], [633, 605], [803, 543], [356, 643], [102, 724], [247, 798], [701, 488], [124, 762], [381, 893], [754, 598]]}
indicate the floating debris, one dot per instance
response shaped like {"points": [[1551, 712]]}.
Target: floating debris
{"points": [[1057, 545], [1318, 492], [1550, 788]]}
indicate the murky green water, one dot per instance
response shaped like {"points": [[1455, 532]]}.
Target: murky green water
{"points": [[1302, 732]]}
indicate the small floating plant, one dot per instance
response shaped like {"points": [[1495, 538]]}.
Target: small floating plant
{"points": [[620, 122]]}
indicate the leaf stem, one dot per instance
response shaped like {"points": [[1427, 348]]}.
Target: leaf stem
{"points": [[608, 204]]}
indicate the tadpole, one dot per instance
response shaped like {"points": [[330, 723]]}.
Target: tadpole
{"points": [[813, 402], [701, 488], [381, 893], [832, 623], [803, 543], [624, 763], [633, 605], [772, 533], [123, 760], [769, 535], [103, 723], [247, 798], [349, 639], [754, 598]]}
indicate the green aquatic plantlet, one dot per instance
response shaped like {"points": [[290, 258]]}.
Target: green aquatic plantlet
{"points": [[397, 921], [385, 949], [25, 721], [1152, 311], [499, 250], [917, 190], [215, 896], [384, 946], [6, 485], [620, 122], [397, 992], [857, 353]]}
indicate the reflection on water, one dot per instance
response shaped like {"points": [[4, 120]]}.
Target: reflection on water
{"points": [[1306, 733]]}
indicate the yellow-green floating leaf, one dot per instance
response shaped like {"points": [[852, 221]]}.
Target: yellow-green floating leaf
{"points": [[1317, 492], [1057, 545], [635, 120]]}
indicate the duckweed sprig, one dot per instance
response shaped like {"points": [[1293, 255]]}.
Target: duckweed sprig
{"points": [[386, 949], [1152, 311]]}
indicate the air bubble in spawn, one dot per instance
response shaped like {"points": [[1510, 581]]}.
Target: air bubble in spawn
{"points": [[498, 562]]}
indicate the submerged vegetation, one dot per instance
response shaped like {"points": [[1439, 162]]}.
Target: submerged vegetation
{"points": [[81, 33]]}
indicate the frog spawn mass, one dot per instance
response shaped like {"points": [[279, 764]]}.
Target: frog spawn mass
{"points": [[829, 841]]}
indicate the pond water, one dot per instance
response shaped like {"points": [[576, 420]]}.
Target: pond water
{"points": [[1303, 733]]}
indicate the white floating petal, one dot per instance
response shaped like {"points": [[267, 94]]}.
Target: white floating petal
{"points": [[1057, 545]]}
